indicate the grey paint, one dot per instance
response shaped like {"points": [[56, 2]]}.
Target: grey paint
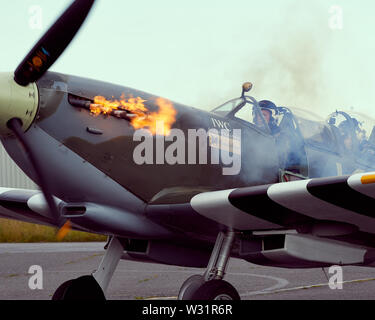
{"points": [[74, 180], [120, 222]]}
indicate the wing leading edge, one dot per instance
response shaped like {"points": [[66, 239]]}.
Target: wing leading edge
{"points": [[349, 200]]}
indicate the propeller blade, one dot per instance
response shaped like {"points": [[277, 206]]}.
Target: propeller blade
{"points": [[15, 125], [53, 43]]}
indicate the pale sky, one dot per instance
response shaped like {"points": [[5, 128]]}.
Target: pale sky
{"points": [[200, 52]]}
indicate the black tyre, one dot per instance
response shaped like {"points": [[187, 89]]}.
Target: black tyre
{"points": [[82, 288], [216, 290], [60, 291], [190, 285]]}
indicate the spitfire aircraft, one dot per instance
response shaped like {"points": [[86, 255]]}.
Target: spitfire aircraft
{"points": [[172, 184]]}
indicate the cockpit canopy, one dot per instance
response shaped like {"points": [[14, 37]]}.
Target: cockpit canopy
{"points": [[356, 131], [313, 129], [264, 115], [246, 109], [350, 135]]}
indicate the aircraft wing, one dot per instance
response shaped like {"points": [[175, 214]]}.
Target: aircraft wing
{"points": [[346, 200], [25, 205]]}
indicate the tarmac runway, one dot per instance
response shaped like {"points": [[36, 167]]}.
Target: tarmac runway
{"points": [[60, 262]]}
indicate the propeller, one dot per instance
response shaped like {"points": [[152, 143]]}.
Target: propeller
{"points": [[46, 51], [15, 125], [53, 43]]}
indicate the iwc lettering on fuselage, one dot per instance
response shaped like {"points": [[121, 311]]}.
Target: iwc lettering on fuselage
{"points": [[220, 124]]}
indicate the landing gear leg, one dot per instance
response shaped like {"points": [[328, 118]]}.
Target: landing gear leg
{"points": [[109, 263], [93, 287], [211, 285]]}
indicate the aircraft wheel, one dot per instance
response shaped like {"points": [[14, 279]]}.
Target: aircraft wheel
{"points": [[215, 290], [190, 286], [82, 288]]}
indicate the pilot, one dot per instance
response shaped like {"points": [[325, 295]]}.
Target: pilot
{"points": [[266, 107], [346, 134], [289, 154]]}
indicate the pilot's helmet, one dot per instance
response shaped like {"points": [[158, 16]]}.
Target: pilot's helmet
{"points": [[268, 106]]}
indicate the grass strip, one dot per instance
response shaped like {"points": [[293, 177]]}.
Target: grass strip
{"points": [[18, 231]]}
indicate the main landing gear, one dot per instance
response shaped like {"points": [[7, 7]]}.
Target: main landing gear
{"points": [[210, 285], [93, 287]]}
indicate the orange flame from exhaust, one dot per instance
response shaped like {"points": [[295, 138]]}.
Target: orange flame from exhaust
{"points": [[142, 117], [64, 230]]}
